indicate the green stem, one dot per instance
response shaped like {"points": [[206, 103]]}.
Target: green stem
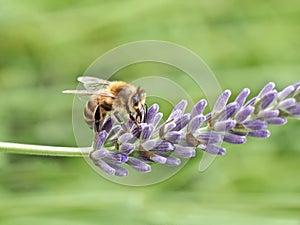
{"points": [[43, 150]]}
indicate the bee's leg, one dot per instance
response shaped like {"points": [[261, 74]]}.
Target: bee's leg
{"points": [[120, 120], [97, 119], [118, 117], [145, 111]]}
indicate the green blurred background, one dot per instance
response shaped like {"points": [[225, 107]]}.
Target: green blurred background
{"points": [[45, 45]]}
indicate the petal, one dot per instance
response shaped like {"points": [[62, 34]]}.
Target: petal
{"points": [[159, 159], [173, 136], [276, 121], [164, 146], [146, 132], [139, 165], [119, 171], [244, 113], [215, 150], [184, 152], [152, 111], [173, 161], [294, 111], [100, 139], [198, 108], [229, 110], [105, 167], [255, 124], [117, 157], [181, 122], [225, 125], [126, 148], [251, 102], [99, 154], [125, 137], [181, 106], [287, 103], [222, 101], [157, 119], [286, 92], [268, 114], [195, 123], [209, 137], [241, 98], [266, 89], [268, 99], [234, 138], [108, 124], [260, 134]]}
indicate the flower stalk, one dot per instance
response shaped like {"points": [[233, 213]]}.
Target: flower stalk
{"points": [[43, 150]]}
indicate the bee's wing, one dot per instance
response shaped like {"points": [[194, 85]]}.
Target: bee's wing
{"points": [[89, 92], [92, 83]]}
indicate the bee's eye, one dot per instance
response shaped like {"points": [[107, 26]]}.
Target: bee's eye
{"points": [[135, 100]]}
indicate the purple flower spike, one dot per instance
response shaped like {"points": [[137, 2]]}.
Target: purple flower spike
{"points": [[269, 87], [215, 150], [285, 92], [152, 111], [172, 161], [260, 134], [100, 139], [126, 148], [184, 152], [153, 141], [198, 108], [195, 123], [139, 165], [255, 124], [268, 100], [225, 125], [222, 101], [241, 98], [244, 113], [234, 139]]}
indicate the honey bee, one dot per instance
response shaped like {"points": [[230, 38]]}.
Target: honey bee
{"points": [[115, 97]]}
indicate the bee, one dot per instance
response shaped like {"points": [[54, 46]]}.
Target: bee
{"points": [[117, 97]]}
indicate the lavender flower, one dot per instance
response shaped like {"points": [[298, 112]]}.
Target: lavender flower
{"points": [[119, 146]]}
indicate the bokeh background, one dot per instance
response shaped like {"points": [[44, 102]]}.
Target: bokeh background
{"points": [[45, 45]]}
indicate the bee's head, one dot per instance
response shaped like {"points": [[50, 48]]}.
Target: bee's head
{"points": [[138, 100]]}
